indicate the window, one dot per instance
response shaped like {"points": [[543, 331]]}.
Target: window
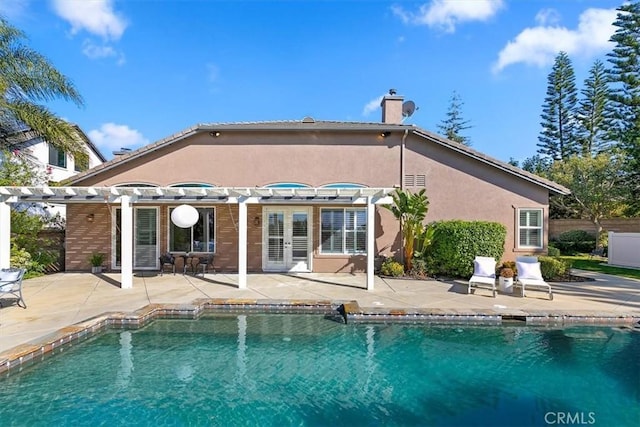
{"points": [[530, 228], [286, 185], [199, 238], [57, 157], [343, 185], [343, 231]]}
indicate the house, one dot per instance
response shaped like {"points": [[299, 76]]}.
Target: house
{"points": [[54, 165], [287, 196]]}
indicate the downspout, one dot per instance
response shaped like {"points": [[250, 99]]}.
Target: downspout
{"points": [[402, 145]]}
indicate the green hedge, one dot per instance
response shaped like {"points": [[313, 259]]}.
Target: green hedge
{"points": [[456, 244], [575, 241]]}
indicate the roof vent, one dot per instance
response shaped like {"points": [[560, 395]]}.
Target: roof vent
{"points": [[122, 151], [308, 120]]}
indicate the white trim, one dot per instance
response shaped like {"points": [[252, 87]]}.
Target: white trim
{"points": [[5, 234], [242, 244], [371, 210], [519, 227], [126, 242]]}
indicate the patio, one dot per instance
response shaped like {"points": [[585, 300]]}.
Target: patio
{"points": [[63, 299]]}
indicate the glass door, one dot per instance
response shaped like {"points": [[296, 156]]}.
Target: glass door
{"points": [[286, 239]]}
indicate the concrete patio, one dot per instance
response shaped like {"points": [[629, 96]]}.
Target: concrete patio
{"points": [[60, 300]]}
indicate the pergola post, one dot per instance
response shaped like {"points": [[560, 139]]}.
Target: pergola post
{"points": [[5, 234], [242, 243], [371, 226], [126, 239]]}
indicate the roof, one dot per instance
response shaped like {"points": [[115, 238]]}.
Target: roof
{"points": [[29, 135], [309, 124]]}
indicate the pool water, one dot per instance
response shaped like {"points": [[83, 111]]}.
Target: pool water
{"points": [[286, 370]]}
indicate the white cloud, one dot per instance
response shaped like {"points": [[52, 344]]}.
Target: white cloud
{"points": [[94, 16], [112, 137], [94, 51], [539, 45], [547, 17], [446, 14], [372, 106], [13, 9]]}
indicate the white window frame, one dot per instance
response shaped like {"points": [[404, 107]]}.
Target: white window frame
{"points": [[520, 227], [214, 231], [344, 231]]}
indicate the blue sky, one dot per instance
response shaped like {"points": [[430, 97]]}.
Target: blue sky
{"points": [[148, 69]]}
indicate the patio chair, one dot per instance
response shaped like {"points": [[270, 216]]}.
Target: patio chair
{"points": [[11, 284], [484, 274], [167, 262], [529, 276]]}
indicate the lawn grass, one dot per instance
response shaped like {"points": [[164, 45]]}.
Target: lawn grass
{"points": [[583, 262]]}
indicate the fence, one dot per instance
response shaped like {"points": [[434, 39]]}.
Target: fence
{"points": [[624, 249], [618, 225]]}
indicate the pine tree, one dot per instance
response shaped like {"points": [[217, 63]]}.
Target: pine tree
{"points": [[454, 123], [594, 113], [625, 77], [558, 136]]}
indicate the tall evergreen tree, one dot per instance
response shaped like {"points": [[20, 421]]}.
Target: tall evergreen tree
{"points": [[26, 80], [558, 136], [625, 77], [454, 123], [594, 113]]}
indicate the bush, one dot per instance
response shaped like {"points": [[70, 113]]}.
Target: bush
{"points": [[456, 244], [390, 267], [553, 251], [418, 268], [552, 268], [575, 241]]}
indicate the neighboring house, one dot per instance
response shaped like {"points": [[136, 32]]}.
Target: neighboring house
{"points": [[288, 196], [55, 165]]}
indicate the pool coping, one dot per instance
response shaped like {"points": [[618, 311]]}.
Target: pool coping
{"points": [[21, 356]]}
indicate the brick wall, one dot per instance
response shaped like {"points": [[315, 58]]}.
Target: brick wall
{"points": [[618, 225]]}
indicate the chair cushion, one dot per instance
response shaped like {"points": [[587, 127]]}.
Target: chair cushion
{"points": [[9, 276], [485, 267], [529, 270]]}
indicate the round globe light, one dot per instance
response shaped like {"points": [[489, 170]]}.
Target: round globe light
{"points": [[184, 216]]}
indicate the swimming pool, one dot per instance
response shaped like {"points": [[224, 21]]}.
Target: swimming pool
{"points": [[261, 369]]}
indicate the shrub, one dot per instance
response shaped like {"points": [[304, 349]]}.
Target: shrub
{"points": [[456, 244], [574, 241], [553, 251], [506, 272], [390, 267], [418, 268], [552, 268]]}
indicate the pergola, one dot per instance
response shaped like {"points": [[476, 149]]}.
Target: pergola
{"points": [[127, 197]]}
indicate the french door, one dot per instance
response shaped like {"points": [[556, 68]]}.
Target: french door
{"points": [[286, 237], [145, 238]]}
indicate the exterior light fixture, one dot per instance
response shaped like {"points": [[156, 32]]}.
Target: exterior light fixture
{"points": [[214, 134], [385, 134], [185, 216], [256, 221], [90, 217]]}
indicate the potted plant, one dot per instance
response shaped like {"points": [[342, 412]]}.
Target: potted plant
{"points": [[505, 281], [96, 259]]}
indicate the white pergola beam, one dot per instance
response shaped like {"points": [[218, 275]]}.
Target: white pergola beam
{"points": [[5, 234]]}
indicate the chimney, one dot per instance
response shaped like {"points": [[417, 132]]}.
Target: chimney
{"points": [[392, 108]]}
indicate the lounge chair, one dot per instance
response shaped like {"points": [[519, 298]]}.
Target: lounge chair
{"points": [[529, 275], [11, 284], [484, 274]]}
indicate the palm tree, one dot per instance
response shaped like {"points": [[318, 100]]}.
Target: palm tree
{"points": [[410, 209], [27, 79]]}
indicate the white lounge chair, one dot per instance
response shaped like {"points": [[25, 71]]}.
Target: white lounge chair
{"points": [[484, 274], [529, 275], [11, 284]]}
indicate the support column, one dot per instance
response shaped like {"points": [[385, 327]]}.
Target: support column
{"points": [[242, 243], [126, 239], [5, 234], [371, 226]]}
